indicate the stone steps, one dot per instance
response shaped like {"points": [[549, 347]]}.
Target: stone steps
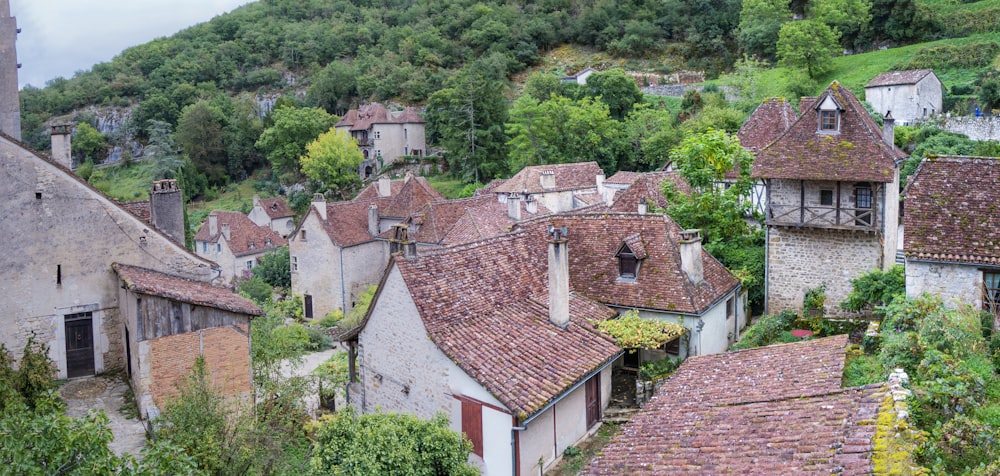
{"points": [[900, 257], [618, 414]]}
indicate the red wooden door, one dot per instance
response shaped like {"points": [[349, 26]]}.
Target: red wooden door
{"points": [[472, 425], [593, 398]]}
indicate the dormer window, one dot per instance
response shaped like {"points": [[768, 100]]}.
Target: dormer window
{"points": [[829, 115], [630, 255], [828, 120]]}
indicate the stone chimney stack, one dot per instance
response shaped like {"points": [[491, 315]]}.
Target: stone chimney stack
{"points": [[166, 209], [225, 231], [384, 186], [548, 179], [62, 149], [889, 129], [600, 184], [514, 206], [690, 248], [643, 207], [373, 219], [319, 202], [558, 277], [10, 104], [401, 243], [213, 225], [530, 204]]}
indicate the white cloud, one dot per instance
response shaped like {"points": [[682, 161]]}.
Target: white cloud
{"points": [[61, 37]]}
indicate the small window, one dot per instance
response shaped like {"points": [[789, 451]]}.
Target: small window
{"points": [[863, 205], [826, 197], [378, 134], [673, 348], [828, 120], [250, 264], [204, 247], [302, 235], [38, 195], [218, 247], [628, 264], [991, 293], [295, 263]]}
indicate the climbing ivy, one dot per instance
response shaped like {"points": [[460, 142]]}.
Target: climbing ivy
{"points": [[633, 332]]}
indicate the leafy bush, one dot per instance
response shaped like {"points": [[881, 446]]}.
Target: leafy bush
{"points": [[658, 369], [946, 387], [815, 298], [874, 289], [962, 443], [900, 350], [633, 332], [319, 338], [275, 268], [256, 290], [956, 333], [331, 319], [767, 330], [862, 369]]}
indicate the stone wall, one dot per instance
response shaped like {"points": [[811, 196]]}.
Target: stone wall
{"points": [[800, 259], [956, 284], [977, 128]]}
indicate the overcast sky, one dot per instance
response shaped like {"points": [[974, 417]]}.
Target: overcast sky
{"points": [[61, 37]]}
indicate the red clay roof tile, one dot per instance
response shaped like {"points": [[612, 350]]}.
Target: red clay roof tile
{"points": [[245, 237], [155, 283]]}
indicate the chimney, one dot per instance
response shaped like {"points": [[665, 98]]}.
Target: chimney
{"points": [[600, 184], [61, 144], [558, 277], [400, 241], [548, 179], [10, 104], [166, 209], [514, 206], [319, 202], [889, 129], [384, 186], [643, 207], [213, 225], [225, 231], [530, 204], [256, 200], [373, 219], [690, 248]]}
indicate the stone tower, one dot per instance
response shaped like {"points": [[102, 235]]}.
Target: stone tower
{"points": [[832, 201], [10, 106]]}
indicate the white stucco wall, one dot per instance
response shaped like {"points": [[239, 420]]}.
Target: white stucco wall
{"points": [[907, 102], [957, 284], [395, 140], [59, 231]]}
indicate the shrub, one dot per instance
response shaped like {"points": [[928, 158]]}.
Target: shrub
{"points": [[875, 289], [256, 290], [767, 330], [658, 369], [900, 350], [904, 315], [946, 387], [962, 443], [319, 338], [331, 319], [862, 369], [815, 298], [955, 333]]}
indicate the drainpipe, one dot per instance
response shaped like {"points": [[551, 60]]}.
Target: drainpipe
{"points": [[343, 289]]}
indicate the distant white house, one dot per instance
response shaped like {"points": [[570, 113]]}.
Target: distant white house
{"points": [[908, 95], [580, 77]]}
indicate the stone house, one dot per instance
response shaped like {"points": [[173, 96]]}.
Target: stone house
{"points": [[60, 285], [235, 242], [580, 77], [498, 334], [832, 200], [905, 95], [639, 192], [559, 187], [273, 213], [778, 409], [952, 243], [169, 322], [341, 248], [384, 136]]}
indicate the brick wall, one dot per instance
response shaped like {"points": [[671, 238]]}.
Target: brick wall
{"points": [[227, 359], [800, 259]]}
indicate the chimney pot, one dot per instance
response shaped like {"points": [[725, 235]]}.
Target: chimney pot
{"points": [[514, 206], [373, 228], [643, 207], [548, 179], [558, 277], [166, 209], [690, 249], [319, 203]]}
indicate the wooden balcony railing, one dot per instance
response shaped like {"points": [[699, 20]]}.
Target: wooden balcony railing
{"points": [[823, 217]]}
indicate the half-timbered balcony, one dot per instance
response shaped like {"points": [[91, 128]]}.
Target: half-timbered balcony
{"points": [[832, 205]]}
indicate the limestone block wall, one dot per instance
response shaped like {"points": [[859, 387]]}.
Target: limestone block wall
{"points": [[907, 102], [956, 284], [977, 128], [800, 259]]}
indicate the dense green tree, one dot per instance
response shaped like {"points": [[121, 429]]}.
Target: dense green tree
{"points": [[807, 44], [275, 268], [162, 151], [467, 119], [388, 443], [88, 143], [542, 86], [560, 130], [334, 87], [650, 134], [760, 22], [242, 130], [200, 134], [285, 141], [616, 89], [848, 17], [332, 160]]}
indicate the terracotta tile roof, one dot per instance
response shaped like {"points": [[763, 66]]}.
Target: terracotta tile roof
{"points": [[661, 284], [154, 283], [464, 220], [276, 207], [771, 410], [587, 199], [766, 123], [347, 222], [571, 176], [857, 153], [648, 187], [489, 188], [623, 177], [951, 211], [892, 78], [488, 313], [362, 118], [139, 208], [245, 237]]}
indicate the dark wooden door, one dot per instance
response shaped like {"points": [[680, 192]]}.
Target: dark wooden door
{"points": [[593, 397], [308, 303], [79, 345]]}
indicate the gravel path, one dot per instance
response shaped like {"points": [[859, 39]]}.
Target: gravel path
{"points": [[107, 393]]}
